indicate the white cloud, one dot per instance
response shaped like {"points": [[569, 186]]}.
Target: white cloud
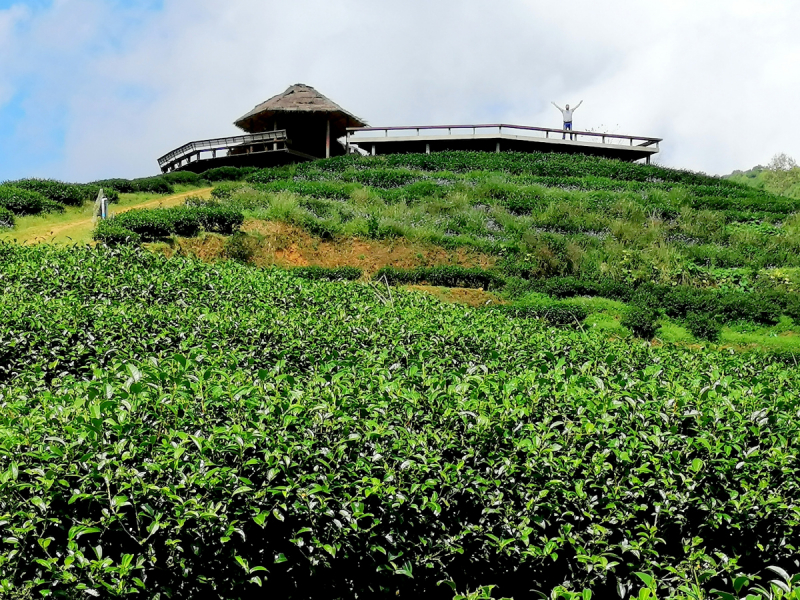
{"points": [[716, 79]]}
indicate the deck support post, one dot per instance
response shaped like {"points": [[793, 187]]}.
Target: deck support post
{"points": [[373, 149], [328, 139], [497, 148], [427, 148], [647, 160], [275, 128]]}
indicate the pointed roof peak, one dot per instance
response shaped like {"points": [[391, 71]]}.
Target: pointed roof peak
{"points": [[298, 98]]}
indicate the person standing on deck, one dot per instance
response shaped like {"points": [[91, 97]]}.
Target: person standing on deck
{"points": [[567, 114]]}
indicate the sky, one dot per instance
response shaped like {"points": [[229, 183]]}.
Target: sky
{"points": [[101, 88]]}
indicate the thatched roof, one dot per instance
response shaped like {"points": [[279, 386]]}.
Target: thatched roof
{"points": [[298, 99]]}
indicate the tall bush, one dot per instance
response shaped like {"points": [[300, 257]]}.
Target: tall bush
{"points": [[642, 321], [25, 202], [6, 217]]}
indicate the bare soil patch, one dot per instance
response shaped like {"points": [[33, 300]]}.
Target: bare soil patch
{"points": [[284, 245]]}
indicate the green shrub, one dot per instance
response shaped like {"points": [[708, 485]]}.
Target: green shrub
{"points": [[160, 223], [570, 287], [71, 194], [553, 313], [642, 321], [218, 219], [57, 191], [6, 217], [448, 276], [151, 185], [224, 190], [183, 178], [271, 174], [228, 173], [25, 202], [239, 247], [328, 273], [111, 233], [385, 178], [703, 326]]}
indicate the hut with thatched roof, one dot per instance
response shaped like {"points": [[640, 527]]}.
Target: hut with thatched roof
{"points": [[299, 124], [311, 120]]}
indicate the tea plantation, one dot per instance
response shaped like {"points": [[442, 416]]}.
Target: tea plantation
{"points": [[693, 258], [176, 429]]}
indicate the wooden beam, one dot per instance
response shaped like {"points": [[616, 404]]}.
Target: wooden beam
{"points": [[328, 139]]}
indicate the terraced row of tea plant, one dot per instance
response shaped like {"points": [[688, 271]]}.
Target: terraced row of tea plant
{"points": [[174, 428]]}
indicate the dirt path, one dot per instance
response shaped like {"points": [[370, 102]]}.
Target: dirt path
{"points": [[80, 229]]}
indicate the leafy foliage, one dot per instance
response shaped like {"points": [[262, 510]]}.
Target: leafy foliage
{"points": [[703, 326], [642, 321], [449, 276], [6, 217], [191, 430], [553, 313], [154, 224], [228, 173], [70, 194], [153, 185], [25, 202]]}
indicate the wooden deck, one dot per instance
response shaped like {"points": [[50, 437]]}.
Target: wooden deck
{"points": [[498, 138], [272, 148], [228, 151]]}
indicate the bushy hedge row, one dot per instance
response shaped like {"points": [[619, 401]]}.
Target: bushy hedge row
{"points": [[555, 313], [537, 164], [150, 225], [681, 300], [6, 217], [25, 202], [70, 194], [272, 174], [228, 173], [328, 273], [153, 185], [449, 276]]}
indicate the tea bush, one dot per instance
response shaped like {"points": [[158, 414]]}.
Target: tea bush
{"points": [[184, 178], [228, 173], [641, 320], [71, 194], [113, 234], [703, 326], [151, 185], [555, 313], [449, 276], [154, 224], [6, 217], [25, 202], [184, 429]]}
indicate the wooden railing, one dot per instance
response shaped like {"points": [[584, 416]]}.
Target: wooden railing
{"points": [[604, 138], [216, 144]]}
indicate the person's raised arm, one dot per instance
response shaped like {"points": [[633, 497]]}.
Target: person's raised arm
{"points": [[557, 106], [577, 105]]}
